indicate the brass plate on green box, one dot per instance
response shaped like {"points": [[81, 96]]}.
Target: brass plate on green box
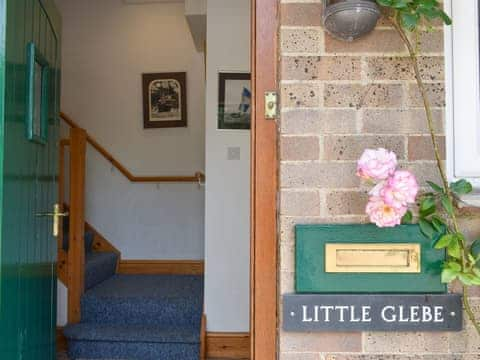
{"points": [[311, 265]]}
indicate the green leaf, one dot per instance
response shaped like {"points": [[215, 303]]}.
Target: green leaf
{"points": [[427, 206], [409, 20], [435, 187], [452, 265], [467, 279], [461, 187], [427, 229], [407, 218], [439, 224], [475, 248], [447, 205], [386, 3], [448, 275], [444, 241], [454, 250]]}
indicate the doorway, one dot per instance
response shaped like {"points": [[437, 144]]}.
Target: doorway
{"points": [[263, 262]]}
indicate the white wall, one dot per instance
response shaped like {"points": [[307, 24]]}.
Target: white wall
{"points": [[107, 45], [227, 196]]}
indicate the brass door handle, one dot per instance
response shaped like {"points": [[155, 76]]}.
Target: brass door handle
{"points": [[56, 214]]}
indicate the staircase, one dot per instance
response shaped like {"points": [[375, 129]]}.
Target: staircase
{"points": [[118, 316], [145, 317]]}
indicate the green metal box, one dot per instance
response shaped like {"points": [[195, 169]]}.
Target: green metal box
{"points": [[311, 265]]}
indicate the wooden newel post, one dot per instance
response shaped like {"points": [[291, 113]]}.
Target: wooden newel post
{"points": [[76, 250]]}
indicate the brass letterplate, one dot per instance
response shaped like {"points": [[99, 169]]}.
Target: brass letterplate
{"points": [[372, 258]]}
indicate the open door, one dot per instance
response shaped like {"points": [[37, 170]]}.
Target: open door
{"points": [[29, 105]]}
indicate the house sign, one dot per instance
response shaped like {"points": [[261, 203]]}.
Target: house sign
{"points": [[379, 312]]}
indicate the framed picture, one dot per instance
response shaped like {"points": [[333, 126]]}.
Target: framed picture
{"points": [[234, 99], [164, 100]]}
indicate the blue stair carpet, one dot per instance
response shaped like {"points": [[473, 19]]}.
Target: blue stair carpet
{"points": [[145, 317], [99, 266]]}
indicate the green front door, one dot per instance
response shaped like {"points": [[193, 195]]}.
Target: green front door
{"points": [[29, 105]]}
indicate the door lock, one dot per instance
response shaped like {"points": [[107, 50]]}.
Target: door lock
{"points": [[56, 214]]}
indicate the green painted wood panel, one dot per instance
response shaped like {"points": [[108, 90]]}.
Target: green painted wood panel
{"points": [[27, 186], [310, 276]]}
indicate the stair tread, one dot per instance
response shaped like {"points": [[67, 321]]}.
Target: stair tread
{"points": [[132, 333], [148, 286]]}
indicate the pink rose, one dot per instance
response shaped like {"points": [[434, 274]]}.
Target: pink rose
{"points": [[382, 214], [400, 189], [376, 164]]}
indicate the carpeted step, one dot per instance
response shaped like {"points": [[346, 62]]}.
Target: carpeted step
{"points": [[99, 341], [167, 300], [99, 266]]}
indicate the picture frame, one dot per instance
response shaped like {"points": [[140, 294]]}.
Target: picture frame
{"points": [[164, 100], [234, 101]]}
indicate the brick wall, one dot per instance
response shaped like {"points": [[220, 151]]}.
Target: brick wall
{"points": [[337, 99]]}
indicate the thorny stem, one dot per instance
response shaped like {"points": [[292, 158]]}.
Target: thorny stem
{"points": [[431, 128]]}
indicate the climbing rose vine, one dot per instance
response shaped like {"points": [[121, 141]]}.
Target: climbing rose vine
{"points": [[394, 190]]}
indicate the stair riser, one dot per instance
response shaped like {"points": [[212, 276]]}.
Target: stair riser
{"points": [[100, 271], [144, 312], [121, 350]]}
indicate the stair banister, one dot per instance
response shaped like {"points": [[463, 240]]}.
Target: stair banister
{"points": [[76, 249], [197, 177]]}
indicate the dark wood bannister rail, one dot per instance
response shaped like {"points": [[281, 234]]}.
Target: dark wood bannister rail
{"points": [[197, 177]]}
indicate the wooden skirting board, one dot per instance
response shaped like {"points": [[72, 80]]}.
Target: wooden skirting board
{"points": [[219, 345], [228, 345], [161, 267]]}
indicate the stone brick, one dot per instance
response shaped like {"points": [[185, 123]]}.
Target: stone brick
{"points": [[287, 256], [301, 14], [320, 175], [300, 356], [346, 203], [400, 121], [300, 203], [421, 148], [301, 95], [321, 68], [301, 40], [299, 148], [392, 357], [456, 287], [400, 68], [287, 282], [381, 342], [324, 342], [378, 41], [358, 96], [431, 42], [423, 171], [466, 341], [309, 121], [351, 147], [436, 95]]}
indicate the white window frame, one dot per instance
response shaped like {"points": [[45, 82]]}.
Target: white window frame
{"points": [[462, 81]]}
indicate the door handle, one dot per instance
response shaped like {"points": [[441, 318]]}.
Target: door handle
{"points": [[56, 214]]}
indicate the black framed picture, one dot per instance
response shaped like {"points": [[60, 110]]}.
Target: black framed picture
{"points": [[234, 101], [164, 100]]}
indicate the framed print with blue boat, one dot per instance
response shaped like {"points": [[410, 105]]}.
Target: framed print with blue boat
{"points": [[234, 101]]}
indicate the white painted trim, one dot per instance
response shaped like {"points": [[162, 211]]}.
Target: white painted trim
{"points": [[462, 80]]}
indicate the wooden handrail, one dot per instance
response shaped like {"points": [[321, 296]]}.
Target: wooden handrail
{"points": [[198, 177]]}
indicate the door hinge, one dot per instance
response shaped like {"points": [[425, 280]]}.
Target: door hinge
{"points": [[271, 105]]}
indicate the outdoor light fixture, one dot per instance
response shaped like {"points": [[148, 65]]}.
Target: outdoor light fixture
{"points": [[350, 19]]}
